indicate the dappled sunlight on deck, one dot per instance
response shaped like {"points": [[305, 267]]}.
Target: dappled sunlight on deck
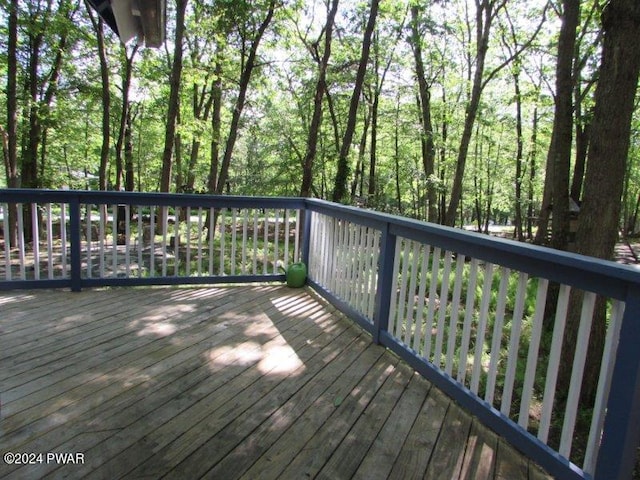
{"points": [[17, 297], [224, 382], [160, 329]]}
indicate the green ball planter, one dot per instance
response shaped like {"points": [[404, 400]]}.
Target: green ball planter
{"points": [[296, 275]]}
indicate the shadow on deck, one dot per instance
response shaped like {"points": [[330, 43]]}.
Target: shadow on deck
{"points": [[225, 382]]}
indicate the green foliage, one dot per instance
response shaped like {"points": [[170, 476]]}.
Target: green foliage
{"points": [[274, 126]]}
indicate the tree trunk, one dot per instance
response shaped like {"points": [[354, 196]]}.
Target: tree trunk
{"points": [[174, 98], [12, 97], [518, 232], [316, 119], [177, 149], [98, 26], [342, 175], [245, 77], [29, 170], [559, 155], [30, 155], [362, 148], [607, 158], [202, 103], [532, 172], [335, 124], [442, 200], [124, 115], [216, 123], [396, 157], [12, 116], [484, 18], [583, 131], [477, 182], [428, 145], [373, 153], [129, 180]]}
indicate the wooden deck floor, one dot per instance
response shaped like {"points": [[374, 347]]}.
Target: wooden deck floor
{"points": [[226, 382]]}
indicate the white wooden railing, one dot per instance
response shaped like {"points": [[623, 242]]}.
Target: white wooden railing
{"points": [[125, 239], [473, 314]]}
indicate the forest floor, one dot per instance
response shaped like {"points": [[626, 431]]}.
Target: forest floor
{"points": [[628, 252]]}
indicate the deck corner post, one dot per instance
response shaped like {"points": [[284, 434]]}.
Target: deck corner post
{"points": [[306, 234], [76, 239], [385, 280], [621, 430]]}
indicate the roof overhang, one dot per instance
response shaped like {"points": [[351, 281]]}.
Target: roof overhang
{"points": [[129, 19]]}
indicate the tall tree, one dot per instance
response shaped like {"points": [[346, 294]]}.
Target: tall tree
{"points": [[379, 50], [174, 98], [424, 91], [248, 66], [556, 189], [342, 174], [129, 179], [11, 133], [608, 153], [98, 26], [510, 43], [203, 35], [216, 120], [47, 32], [486, 11], [125, 115], [316, 119], [533, 152], [587, 44], [12, 97]]}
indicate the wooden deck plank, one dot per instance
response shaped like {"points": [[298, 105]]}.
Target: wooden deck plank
{"points": [[102, 327], [389, 442], [446, 459], [250, 444], [273, 460], [52, 327], [509, 463], [218, 435], [417, 450], [321, 446], [357, 443], [106, 304], [130, 410], [223, 382], [112, 351], [142, 365], [48, 324], [177, 439], [236, 383], [480, 455]]}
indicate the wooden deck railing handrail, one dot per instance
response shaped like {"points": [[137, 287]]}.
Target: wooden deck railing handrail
{"points": [[467, 311]]}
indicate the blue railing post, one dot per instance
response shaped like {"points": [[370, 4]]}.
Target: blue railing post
{"points": [[76, 239], [385, 280], [621, 432], [306, 234]]}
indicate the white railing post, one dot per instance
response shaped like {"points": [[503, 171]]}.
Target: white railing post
{"points": [[7, 240]]}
